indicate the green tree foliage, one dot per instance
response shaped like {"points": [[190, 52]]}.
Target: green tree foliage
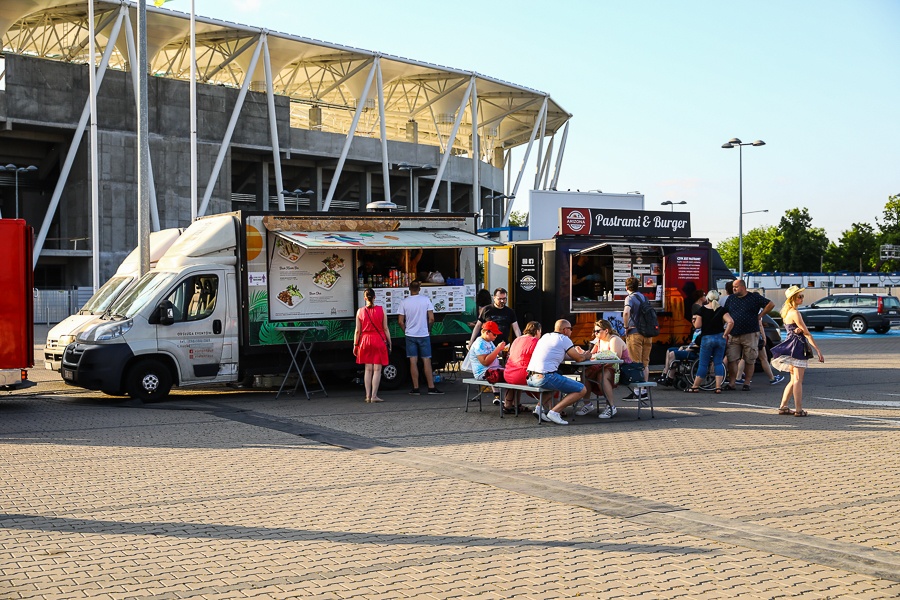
{"points": [[518, 218], [890, 231], [758, 244], [799, 246], [858, 246]]}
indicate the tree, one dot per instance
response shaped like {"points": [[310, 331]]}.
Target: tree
{"points": [[518, 218], [856, 250], [799, 246], [757, 250]]}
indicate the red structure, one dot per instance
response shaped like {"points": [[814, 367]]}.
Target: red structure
{"points": [[17, 308]]}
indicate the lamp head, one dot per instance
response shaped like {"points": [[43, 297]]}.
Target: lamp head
{"points": [[728, 145], [735, 141], [759, 143]]}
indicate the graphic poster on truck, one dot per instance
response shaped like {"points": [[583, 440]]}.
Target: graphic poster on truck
{"points": [[309, 283]]}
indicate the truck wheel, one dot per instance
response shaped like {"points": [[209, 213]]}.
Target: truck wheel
{"points": [[858, 325], [149, 380], [395, 372]]}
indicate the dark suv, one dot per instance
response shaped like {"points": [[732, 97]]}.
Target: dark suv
{"points": [[856, 311]]}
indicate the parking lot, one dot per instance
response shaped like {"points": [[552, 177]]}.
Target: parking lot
{"points": [[234, 494]]}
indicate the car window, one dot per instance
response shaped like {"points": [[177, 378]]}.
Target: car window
{"points": [[827, 302], [866, 302], [891, 302], [844, 302], [195, 298]]}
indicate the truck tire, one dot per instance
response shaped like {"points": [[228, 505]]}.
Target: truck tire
{"points": [[858, 325], [396, 371], [148, 380]]}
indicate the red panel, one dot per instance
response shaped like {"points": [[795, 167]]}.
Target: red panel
{"points": [[17, 306]]}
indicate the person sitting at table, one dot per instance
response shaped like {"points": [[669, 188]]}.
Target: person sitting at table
{"points": [[551, 350], [484, 359], [602, 378], [516, 370]]}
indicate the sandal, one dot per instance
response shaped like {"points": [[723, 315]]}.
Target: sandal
{"points": [[800, 413], [728, 388], [692, 390], [509, 410], [718, 390], [784, 410], [745, 387]]}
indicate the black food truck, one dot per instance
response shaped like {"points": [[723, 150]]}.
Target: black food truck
{"points": [[580, 273]]}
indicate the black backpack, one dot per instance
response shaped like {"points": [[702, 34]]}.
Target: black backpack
{"points": [[645, 320]]}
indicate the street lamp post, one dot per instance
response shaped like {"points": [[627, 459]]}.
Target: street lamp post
{"points": [[14, 169], [413, 200], [740, 145], [498, 197], [297, 194], [672, 204]]}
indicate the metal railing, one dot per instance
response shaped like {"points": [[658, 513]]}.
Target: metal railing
{"points": [[52, 306]]}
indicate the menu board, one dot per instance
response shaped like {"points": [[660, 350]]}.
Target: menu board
{"points": [[643, 262], [445, 298], [309, 283]]}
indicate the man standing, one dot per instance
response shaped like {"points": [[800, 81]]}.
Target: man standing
{"points": [[639, 346], [549, 352], [747, 310], [499, 313], [416, 315]]}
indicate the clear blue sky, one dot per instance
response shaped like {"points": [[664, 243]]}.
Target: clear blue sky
{"points": [[656, 87]]}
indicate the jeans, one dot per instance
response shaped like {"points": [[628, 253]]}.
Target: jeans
{"points": [[712, 347], [555, 381]]}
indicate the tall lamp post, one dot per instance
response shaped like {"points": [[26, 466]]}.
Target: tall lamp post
{"points": [[413, 198], [297, 194], [740, 145], [672, 204], [14, 169]]}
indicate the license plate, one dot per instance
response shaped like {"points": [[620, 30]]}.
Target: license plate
{"points": [[68, 374]]}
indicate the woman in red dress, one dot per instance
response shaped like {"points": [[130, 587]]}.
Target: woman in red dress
{"points": [[516, 369], [371, 343]]}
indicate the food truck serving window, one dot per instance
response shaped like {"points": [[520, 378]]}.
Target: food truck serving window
{"points": [[598, 274], [355, 240]]}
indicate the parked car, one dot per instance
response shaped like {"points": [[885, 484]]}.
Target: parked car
{"points": [[857, 312]]}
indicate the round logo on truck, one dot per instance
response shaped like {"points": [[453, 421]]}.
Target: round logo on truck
{"points": [[576, 221], [528, 283]]}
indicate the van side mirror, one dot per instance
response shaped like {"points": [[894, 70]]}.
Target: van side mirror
{"points": [[165, 313]]}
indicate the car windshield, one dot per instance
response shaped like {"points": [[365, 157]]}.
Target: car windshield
{"points": [[137, 297], [105, 296], [825, 302]]}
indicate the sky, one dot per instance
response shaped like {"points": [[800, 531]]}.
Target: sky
{"points": [[656, 87]]}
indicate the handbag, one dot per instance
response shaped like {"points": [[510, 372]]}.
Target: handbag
{"points": [[808, 352], [380, 332], [494, 375]]}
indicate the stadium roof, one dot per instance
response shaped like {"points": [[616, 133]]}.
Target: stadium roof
{"points": [[323, 80]]}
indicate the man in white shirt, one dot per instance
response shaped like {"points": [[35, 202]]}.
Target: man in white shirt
{"points": [[551, 350], [416, 315]]}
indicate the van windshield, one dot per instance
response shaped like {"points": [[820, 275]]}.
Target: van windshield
{"points": [[105, 296], [136, 297]]}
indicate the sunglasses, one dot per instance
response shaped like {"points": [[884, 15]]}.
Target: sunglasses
{"points": [[598, 330]]}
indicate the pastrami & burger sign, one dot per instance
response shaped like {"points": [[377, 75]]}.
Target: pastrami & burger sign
{"points": [[621, 222]]}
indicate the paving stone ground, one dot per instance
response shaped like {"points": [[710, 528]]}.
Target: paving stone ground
{"points": [[226, 494]]}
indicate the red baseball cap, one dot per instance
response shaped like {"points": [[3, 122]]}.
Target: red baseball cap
{"points": [[491, 327]]}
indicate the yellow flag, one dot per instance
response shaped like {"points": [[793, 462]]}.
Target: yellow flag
{"points": [[158, 3]]}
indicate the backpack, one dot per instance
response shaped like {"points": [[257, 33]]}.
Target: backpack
{"points": [[645, 320]]}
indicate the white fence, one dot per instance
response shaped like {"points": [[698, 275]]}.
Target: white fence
{"points": [[52, 306]]}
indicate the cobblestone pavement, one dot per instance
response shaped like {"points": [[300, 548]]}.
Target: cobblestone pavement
{"points": [[229, 494]]}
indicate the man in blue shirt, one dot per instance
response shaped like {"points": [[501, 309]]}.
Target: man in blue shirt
{"points": [[747, 310]]}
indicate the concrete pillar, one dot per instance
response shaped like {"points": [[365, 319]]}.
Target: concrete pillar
{"points": [[262, 186]]}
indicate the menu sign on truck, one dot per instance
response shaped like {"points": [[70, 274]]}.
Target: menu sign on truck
{"points": [[620, 222], [309, 283]]}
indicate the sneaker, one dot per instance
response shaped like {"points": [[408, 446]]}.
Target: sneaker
{"points": [[609, 413], [634, 396], [496, 399], [540, 414], [585, 408], [739, 381], [554, 417], [415, 392], [435, 392], [778, 379]]}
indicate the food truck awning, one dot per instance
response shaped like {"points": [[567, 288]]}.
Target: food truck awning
{"points": [[411, 238], [632, 246]]}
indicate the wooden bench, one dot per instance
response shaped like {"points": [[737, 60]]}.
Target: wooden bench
{"points": [[481, 387]]}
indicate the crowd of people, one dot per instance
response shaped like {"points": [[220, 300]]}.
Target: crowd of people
{"points": [[729, 337]]}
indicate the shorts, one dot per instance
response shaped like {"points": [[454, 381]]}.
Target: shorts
{"points": [[418, 347], [743, 346], [555, 381], [639, 348]]}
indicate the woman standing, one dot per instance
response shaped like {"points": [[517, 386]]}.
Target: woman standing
{"points": [[715, 326], [791, 354], [371, 343]]}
